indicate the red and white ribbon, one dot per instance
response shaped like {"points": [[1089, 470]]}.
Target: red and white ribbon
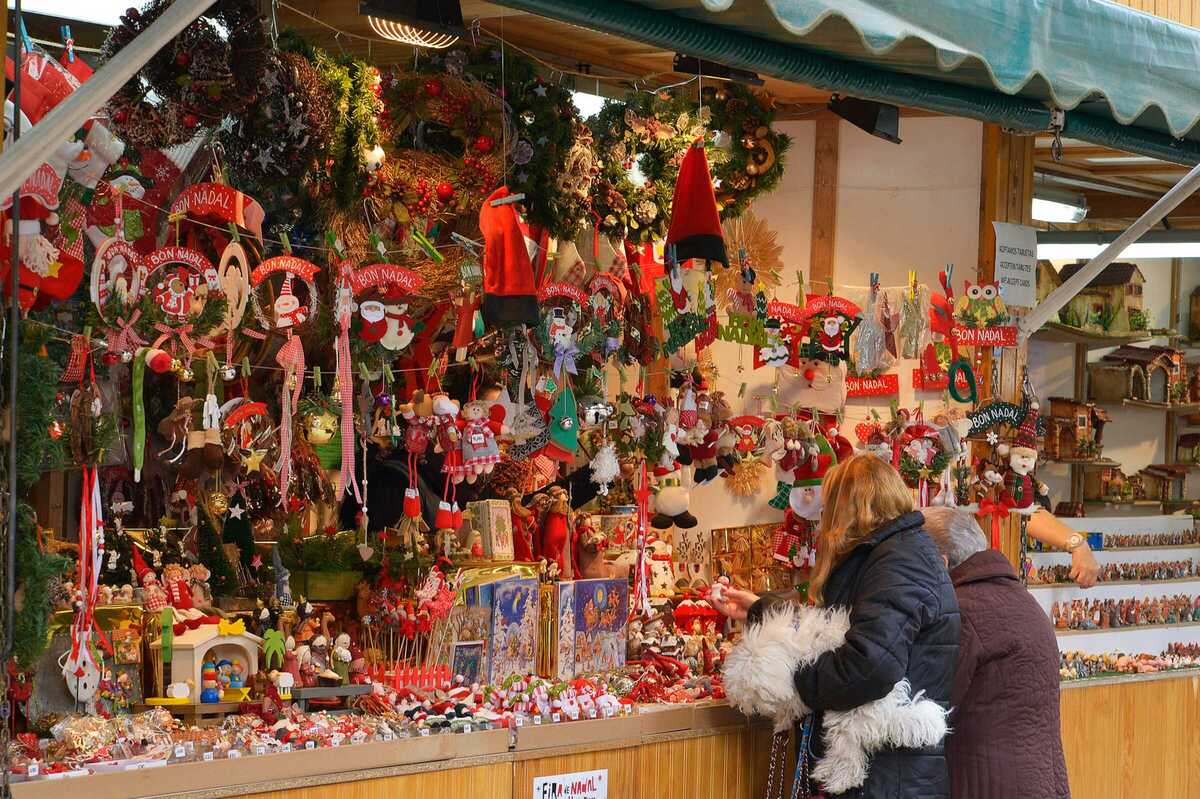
{"points": [[291, 358], [185, 338], [345, 376]]}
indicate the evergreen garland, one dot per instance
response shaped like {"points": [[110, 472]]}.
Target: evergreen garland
{"points": [[35, 572]]}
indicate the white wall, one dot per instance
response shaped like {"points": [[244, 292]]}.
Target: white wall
{"points": [[900, 207]]}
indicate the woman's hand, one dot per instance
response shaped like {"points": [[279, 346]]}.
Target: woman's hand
{"points": [[1084, 568], [734, 603]]}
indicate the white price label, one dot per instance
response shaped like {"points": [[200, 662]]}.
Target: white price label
{"points": [[424, 732], [234, 754], [32, 770], [591, 712], [519, 721], [466, 728], [180, 751], [555, 717], [608, 712], [287, 747], [259, 749], [537, 719], [310, 744], [387, 736], [358, 737], [208, 756]]}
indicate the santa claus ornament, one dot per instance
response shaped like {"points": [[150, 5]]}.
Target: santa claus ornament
{"points": [[383, 292], [1022, 490]]}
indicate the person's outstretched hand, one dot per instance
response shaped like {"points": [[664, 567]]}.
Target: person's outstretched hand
{"points": [[734, 603], [1084, 568]]}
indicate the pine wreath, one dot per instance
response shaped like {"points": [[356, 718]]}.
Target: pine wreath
{"points": [[625, 209], [200, 77], [285, 134], [913, 471]]}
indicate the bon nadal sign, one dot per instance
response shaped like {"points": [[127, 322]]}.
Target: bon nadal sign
{"points": [[885, 385], [998, 413], [389, 276]]}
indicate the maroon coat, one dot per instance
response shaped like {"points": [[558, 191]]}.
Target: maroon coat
{"points": [[1006, 742]]}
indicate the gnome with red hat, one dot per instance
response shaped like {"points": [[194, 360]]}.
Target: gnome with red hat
{"points": [[154, 597], [1021, 487]]}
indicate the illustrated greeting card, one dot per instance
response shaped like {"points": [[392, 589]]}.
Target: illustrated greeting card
{"points": [[601, 611], [513, 644]]}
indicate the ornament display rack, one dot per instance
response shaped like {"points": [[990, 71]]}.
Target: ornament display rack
{"points": [[1152, 638], [1084, 341]]}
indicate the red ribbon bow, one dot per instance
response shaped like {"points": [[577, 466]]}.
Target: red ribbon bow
{"points": [[126, 339], [997, 510], [184, 334]]}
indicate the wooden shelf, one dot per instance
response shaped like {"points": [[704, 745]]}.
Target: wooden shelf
{"points": [[1059, 333], [1172, 407], [1101, 583], [1093, 463], [1128, 503], [1127, 627]]}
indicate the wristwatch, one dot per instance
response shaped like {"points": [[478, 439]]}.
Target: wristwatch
{"points": [[1074, 541]]}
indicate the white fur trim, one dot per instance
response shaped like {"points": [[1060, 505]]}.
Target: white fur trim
{"points": [[759, 680], [759, 672], [852, 736]]}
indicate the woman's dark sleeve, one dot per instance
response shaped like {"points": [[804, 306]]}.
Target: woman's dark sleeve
{"points": [[893, 602]]}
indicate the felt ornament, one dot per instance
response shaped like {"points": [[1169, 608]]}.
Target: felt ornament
{"points": [[695, 229], [563, 427], [509, 291], [1022, 491]]}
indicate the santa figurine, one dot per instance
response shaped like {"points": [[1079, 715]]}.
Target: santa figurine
{"points": [[374, 321], [830, 337], [1022, 490], [804, 498]]}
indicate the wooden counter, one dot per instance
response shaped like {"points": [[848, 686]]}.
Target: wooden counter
{"points": [[1128, 738]]}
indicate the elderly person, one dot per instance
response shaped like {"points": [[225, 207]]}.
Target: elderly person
{"points": [[1006, 741]]}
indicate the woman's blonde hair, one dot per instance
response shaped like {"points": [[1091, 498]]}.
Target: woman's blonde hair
{"points": [[860, 494]]}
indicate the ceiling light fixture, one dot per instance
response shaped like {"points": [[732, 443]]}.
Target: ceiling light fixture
{"points": [[1071, 245], [1052, 204], [879, 119], [432, 24]]}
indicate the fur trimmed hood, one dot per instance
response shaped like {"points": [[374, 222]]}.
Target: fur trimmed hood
{"points": [[760, 680]]}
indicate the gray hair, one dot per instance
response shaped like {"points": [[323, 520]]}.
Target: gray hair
{"points": [[956, 533]]}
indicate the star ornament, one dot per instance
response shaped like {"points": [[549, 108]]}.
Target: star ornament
{"points": [[540, 91], [236, 511], [256, 561]]}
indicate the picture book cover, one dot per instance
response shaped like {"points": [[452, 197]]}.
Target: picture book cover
{"points": [[601, 613], [468, 660], [513, 643], [565, 632]]}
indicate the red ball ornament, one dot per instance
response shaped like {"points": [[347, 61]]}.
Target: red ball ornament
{"points": [[484, 144], [191, 120], [182, 58], [445, 191], [433, 87], [120, 116]]}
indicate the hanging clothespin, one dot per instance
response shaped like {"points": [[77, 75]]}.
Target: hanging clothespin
{"points": [[363, 373], [286, 242], [950, 274], [801, 299], [470, 245], [68, 43], [246, 367], [829, 285], [508, 199], [316, 378], [427, 246], [874, 281], [741, 390], [234, 236], [912, 284], [377, 245]]}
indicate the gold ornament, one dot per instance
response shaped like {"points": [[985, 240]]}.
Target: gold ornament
{"points": [[320, 427], [751, 169], [218, 503], [186, 375], [722, 94], [176, 365]]}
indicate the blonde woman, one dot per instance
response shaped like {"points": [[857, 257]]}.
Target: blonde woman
{"points": [[872, 665]]}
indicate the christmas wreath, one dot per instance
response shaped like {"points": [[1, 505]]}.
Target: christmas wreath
{"points": [[550, 153], [286, 133], [199, 78], [922, 458]]}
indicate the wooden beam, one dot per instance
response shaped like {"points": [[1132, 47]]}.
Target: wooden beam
{"points": [[1140, 168], [824, 212], [1102, 205], [1059, 169], [1076, 152]]}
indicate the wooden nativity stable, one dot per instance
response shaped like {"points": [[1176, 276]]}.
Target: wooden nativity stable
{"points": [[1143, 374], [1074, 429], [1111, 303]]}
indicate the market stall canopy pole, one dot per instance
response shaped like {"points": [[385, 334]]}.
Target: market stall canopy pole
{"points": [[726, 44], [20, 160], [1048, 308]]}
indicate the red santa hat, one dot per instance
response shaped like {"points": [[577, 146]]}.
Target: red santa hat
{"points": [[509, 292], [695, 230], [140, 568], [1027, 435]]}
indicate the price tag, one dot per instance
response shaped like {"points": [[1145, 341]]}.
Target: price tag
{"points": [[537, 719], [259, 749], [424, 732], [466, 728], [555, 717], [358, 737], [310, 744], [338, 738], [180, 751], [387, 736], [591, 712], [208, 756], [32, 770], [287, 747], [519, 721], [234, 754]]}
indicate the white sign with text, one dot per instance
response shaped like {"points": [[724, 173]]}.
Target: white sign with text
{"points": [[1016, 264], [580, 785]]}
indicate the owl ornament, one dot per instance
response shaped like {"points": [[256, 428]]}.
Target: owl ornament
{"points": [[980, 306]]}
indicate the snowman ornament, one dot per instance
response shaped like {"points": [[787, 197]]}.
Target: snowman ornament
{"points": [[398, 327]]}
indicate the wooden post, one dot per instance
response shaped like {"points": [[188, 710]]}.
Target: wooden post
{"points": [[824, 209], [1005, 195], [1170, 453]]}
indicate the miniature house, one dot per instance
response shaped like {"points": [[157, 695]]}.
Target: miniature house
{"points": [[1187, 448], [1107, 483], [1112, 301], [1047, 279], [1074, 429], [192, 648], [1146, 374], [1163, 481]]}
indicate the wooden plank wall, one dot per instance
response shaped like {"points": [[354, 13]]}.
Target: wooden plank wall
{"points": [[1186, 12], [1133, 741]]}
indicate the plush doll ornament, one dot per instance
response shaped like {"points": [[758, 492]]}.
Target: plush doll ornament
{"points": [[480, 422], [556, 532], [1022, 490], [671, 502], [759, 680]]}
